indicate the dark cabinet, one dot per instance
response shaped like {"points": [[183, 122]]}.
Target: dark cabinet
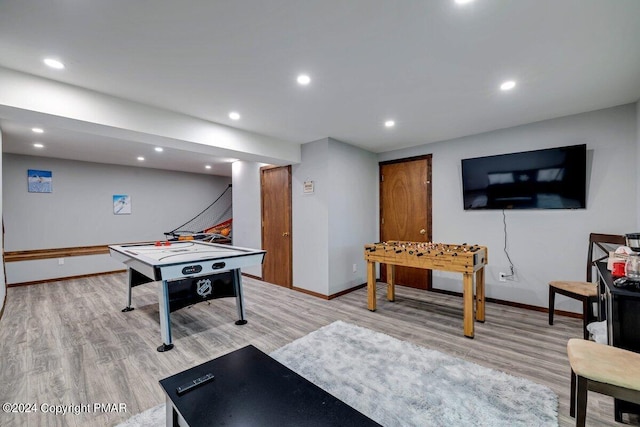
{"points": [[622, 311]]}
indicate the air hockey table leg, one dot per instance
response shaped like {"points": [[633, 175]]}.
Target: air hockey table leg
{"points": [[237, 285], [130, 285], [165, 319]]}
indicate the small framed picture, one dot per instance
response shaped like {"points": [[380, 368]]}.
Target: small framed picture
{"points": [[39, 181], [308, 187], [121, 204]]}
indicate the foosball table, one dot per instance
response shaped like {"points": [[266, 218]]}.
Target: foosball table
{"points": [[466, 259]]}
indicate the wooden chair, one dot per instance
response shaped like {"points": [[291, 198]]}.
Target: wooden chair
{"points": [[604, 369], [587, 292]]}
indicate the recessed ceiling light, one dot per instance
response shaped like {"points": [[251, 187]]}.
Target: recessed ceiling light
{"points": [[464, 1], [38, 145], [54, 63], [508, 85], [304, 79], [159, 149], [37, 130], [389, 123], [207, 166], [140, 159], [234, 115]]}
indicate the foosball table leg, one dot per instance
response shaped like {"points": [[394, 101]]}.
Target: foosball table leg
{"points": [[467, 295], [391, 282], [480, 295], [371, 286]]}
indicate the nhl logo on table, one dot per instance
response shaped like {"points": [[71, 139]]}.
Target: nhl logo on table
{"points": [[203, 287]]}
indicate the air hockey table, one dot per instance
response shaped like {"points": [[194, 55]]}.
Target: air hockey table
{"points": [[187, 272]]}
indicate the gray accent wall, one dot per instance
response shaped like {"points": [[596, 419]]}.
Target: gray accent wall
{"points": [[79, 211], [332, 224], [544, 245]]}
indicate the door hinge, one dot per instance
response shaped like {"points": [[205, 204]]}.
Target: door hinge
{"points": [[382, 221], [381, 178]]}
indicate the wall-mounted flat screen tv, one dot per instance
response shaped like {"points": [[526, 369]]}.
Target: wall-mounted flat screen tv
{"points": [[553, 178]]}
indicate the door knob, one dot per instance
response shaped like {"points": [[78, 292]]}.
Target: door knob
{"points": [[285, 234], [423, 231]]}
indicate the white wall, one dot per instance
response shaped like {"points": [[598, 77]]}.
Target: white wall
{"points": [[29, 98], [3, 285], [549, 244], [79, 211], [310, 218], [247, 231], [638, 163], [332, 225], [353, 213]]}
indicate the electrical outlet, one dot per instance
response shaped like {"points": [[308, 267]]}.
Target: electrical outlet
{"points": [[60, 261], [355, 268], [502, 277]]}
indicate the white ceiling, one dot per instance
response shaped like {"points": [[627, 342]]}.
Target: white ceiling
{"points": [[433, 66]]}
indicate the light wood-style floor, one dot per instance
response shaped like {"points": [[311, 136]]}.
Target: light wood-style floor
{"points": [[68, 343]]}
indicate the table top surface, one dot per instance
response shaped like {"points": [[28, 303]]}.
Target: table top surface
{"points": [[181, 252], [393, 245], [251, 388], [460, 258], [606, 276]]}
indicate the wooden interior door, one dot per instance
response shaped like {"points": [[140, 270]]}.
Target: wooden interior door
{"points": [[275, 184], [405, 211]]}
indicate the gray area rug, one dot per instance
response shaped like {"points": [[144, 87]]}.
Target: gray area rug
{"points": [[154, 417], [397, 383]]}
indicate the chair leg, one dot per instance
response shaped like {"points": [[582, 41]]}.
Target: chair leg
{"points": [[572, 402], [581, 401], [586, 316], [617, 411], [552, 300], [599, 301]]}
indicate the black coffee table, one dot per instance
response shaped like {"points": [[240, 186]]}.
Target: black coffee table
{"points": [[250, 388]]}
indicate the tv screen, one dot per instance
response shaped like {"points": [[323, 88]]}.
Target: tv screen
{"points": [[553, 178]]}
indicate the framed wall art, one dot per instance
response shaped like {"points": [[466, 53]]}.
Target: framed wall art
{"points": [[121, 204], [39, 181]]}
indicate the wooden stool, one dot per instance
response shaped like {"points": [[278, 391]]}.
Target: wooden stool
{"points": [[603, 369]]}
